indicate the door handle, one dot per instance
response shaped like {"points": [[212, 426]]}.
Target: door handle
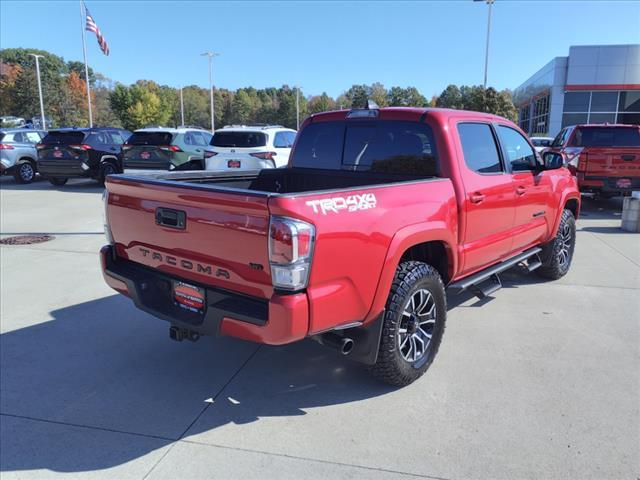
{"points": [[521, 190], [476, 197]]}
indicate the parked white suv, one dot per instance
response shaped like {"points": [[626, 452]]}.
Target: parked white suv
{"points": [[249, 147], [540, 143]]}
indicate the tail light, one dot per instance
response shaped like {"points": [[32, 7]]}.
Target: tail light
{"points": [[263, 155], [170, 148], [40, 146], [6, 146], [209, 154], [574, 162], [290, 251], [83, 146]]}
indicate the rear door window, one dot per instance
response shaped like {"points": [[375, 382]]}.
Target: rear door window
{"points": [[606, 137], [199, 139], [479, 148], [32, 137], [379, 146], [239, 139], [150, 138], [116, 138], [100, 138]]}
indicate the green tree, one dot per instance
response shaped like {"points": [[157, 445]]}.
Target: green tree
{"points": [[242, 107], [146, 110], [143, 103], [378, 94], [451, 97], [321, 103], [357, 96], [479, 99], [406, 97]]}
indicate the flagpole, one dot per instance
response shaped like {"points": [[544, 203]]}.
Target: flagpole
{"points": [[86, 67]]}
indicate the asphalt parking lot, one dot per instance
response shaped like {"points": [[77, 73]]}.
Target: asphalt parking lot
{"points": [[542, 381]]}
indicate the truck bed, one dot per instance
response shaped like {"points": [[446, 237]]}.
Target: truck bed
{"points": [[279, 181]]}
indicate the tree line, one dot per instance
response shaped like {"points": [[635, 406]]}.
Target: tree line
{"points": [[148, 103]]}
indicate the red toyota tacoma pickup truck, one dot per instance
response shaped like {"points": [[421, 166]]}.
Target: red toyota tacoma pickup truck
{"points": [[605, 158], [354, 243]]}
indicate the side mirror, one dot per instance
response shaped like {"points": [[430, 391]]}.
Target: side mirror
{"points": [[552, 160]]}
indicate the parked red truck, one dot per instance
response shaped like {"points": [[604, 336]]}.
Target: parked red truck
{"points": [[353, 243], [605, 158]]}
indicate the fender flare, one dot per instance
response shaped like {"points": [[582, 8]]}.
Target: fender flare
{"points": [[405, 238], [563, 203], [107, 158]]}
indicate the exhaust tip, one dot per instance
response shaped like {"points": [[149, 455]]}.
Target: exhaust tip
{"points": [[346, 346]]}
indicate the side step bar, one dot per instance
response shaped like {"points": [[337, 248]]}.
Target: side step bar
{"points": [[486, 282]]}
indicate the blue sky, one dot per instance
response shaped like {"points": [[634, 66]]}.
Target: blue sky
{"points": [[322, 46]]}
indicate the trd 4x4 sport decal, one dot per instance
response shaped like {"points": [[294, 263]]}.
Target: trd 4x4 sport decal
{"points": [[351, 203]]}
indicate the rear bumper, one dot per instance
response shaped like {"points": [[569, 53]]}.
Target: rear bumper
{"points": [[65, 168], [279, 320], [606, 184]]}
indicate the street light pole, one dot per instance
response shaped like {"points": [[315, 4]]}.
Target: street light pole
{"points": [[298, 107], [38, 57], [486, 52], [181, 107], [211, 55]]}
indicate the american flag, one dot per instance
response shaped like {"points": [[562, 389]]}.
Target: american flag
{"points": [[93, 27]]}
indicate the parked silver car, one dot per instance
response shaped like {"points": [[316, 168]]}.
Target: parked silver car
{"points": [[18, 154]]}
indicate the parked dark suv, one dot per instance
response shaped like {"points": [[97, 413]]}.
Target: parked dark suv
{"points": [[81, 152]]}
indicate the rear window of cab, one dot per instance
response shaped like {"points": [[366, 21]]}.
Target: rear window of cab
{"points": [[606, 137], [376, 146]]}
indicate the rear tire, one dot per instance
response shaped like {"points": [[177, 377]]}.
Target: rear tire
{"points": [[24, 172], [57, 181], [414, 323], [558, 254]]}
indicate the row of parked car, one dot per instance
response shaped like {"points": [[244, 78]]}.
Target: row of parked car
{"points": [[100, 151], [605, 158]]}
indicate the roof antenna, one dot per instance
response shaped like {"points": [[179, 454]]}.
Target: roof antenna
{"points": [[371, 105]]}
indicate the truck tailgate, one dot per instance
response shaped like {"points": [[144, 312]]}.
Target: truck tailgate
{"points": [[613, 162], [212, 238]]}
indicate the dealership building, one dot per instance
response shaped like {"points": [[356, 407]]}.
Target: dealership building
{"points": [[593, 84]]}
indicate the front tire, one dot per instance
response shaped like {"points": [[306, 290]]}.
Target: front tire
{"points": [[558, 254], [24, 172], [414, 323], [57, 181]]}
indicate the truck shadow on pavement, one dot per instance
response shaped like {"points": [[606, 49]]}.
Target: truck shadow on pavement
{"points": [[101, 384]]}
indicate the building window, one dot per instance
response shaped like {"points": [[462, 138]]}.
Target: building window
{"points": [[524, 117], [601, 107], [540, 118]]}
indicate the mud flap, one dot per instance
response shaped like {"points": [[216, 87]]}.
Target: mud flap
{"points": [[366, 341]]}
